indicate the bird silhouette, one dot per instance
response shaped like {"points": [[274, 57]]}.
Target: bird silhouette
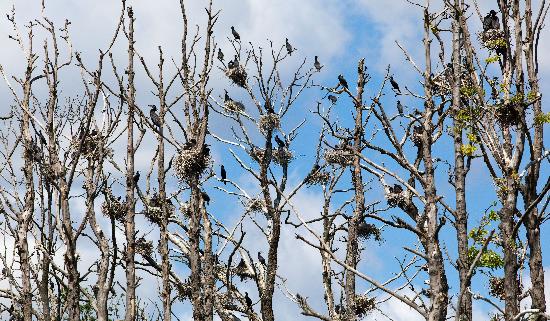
{"points": [[136, 177], [227, 98], [261, 259], [248, 301], [235, 33], [190, 144], [41, 137], [155, 119], [317, 64], [491, 21], [279, 142], [220, 54], [395, 85], [342, 81], [289, 48], [224, 175], [396, 189], [399, 107], [233, 63], [206, 198], [333, 99]]}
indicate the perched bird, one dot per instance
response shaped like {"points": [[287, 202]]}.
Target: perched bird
{"points": [[261, 259], [248, 301], [155, 119], [235, 33], [279, 142], [227, 98], [399, 107], [136, 177], [268, 107], [289, 48], [220, 54], [395, 85], [206, 198], [233, 63], [342, 81], [337, 308], [317, 64], [396, 189], [491, 21], [333, 99], [41, 137], [224, 175], [190, 144]]}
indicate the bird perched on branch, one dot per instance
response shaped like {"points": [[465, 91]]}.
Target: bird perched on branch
{"points": [[190, 144], [333, 99], [41, 137], [155, 119], [205, 198], [223, 175], [395, 86], [399, 107], [233, 63], [289, 48], [261, 259], [227, 98], [317, 64], [248, 301], [235, 33], [342, 81], [279, 142], [136, 177], [220, 54], [491, 21]]}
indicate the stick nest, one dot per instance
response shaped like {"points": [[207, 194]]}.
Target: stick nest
{"points": [[93, 146], [255, 205], [232, 106], [269, 122], [366, 231], [154, 211], [237, 75], [113, 207], [144, 247], [242, 271], [318, 177], [493, 39], [282, 156], [508, 114], [363, 305], [339, 157], [192, 163]]}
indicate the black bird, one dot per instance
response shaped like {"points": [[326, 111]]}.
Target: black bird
{"points": [[279, 142], [289, 48], [227, 98], [41, 137], [224, 175], [190, 144], [342, 81], [332, 99], [395, 85], [261, 259], [235, 33], [136, 177], [396, 189], [399, 107], [220, 54], [268, 107], [233, 63], [337, 309], [491, 21], [317, 64], [155, 119], [206, 198], [248, 301]]}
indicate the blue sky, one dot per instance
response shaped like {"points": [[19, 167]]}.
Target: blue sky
{"points": [[340, 33]]}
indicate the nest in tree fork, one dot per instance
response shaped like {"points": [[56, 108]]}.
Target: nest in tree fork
{"points": [[318, 177], [92, 146], [282, 155], [242, 271], [339, 156], [114, 207], [237, 75], [366, 231], [363, 305], [191, 163], [144, 247], [269, 122], [154, 209], [493, 39], [233, 106], [508, 114], [255, 205]]}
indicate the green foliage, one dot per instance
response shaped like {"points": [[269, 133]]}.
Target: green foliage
{"points": [[467, 149], [542, 118], [492, 59], [489, 258]]}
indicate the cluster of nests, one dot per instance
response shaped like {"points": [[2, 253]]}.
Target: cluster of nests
{"points": [[242, 271], [317, 177], [269, 123], [339, 157], [493, 39], [396, 196], [366, 231], [113, 207], [192, 162], [233, 106], [237, 74], [508, 114], [144, 247], [280, 155], [92, 145], [154, 209]]}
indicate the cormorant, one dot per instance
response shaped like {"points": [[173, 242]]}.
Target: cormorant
{"points": [[289, 48], [233, 63], [220, 54], [396, 189], [279, 142], [227, 98], [136, 177], [206, 198], [248, 301], [235, 33], [333, 99], [399, 107], [342, 81], [155, 119], [317, 64], [41, 137], [190, 144], [395, 85], [261, 259], [224, 175], [491, 21]]}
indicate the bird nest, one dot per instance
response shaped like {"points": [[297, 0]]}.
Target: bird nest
{"points": [[184, 290], [191, 163], [237, 75], [185, 210], [144, 247], [113, 207], [318, 178], [508, 114], [269, 122], [339, 156], [282, 156], [366, 231], [395, 196], [255, 205], [242, 271], [233, 106], [363, 305], [493, 39], [93, 146], [154, 209]]}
